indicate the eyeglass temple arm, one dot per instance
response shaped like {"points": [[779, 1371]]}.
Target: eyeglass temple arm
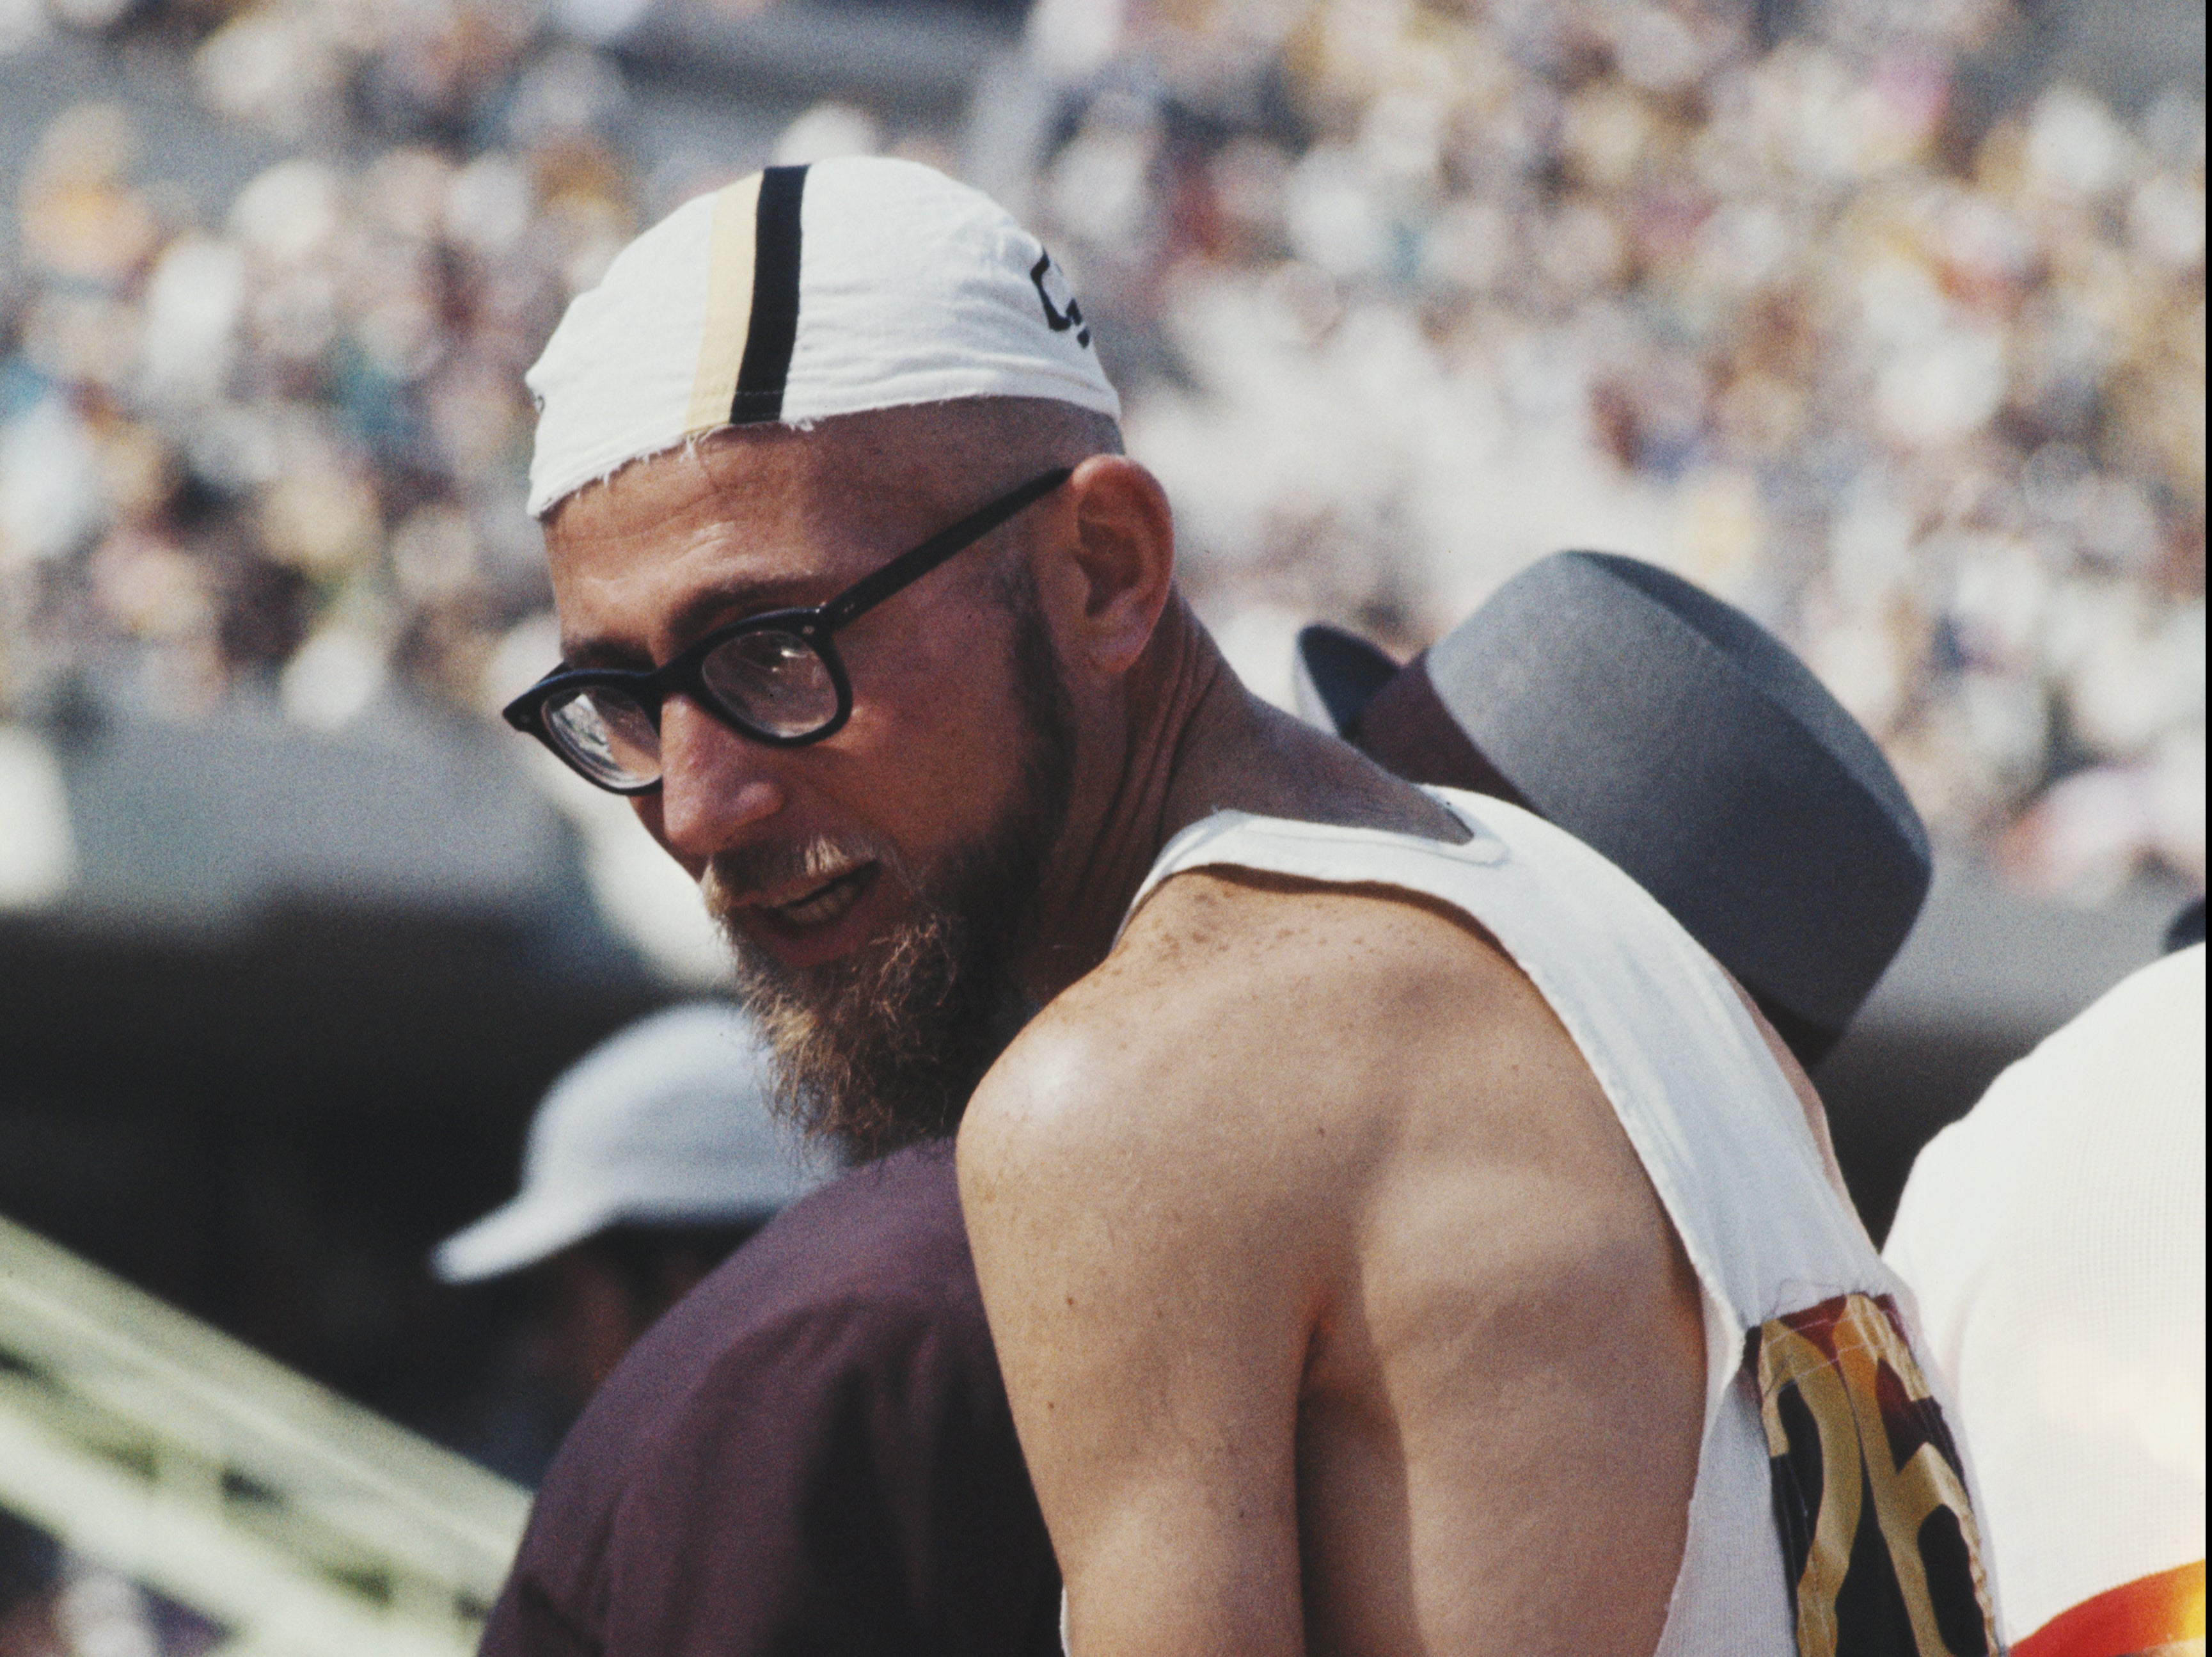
{"points": [[871, 590]]}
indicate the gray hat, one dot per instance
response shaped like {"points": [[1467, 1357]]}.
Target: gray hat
{"points": [[1671, 733], [665, 1123]]}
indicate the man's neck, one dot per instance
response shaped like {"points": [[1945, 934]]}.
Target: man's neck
{"points": [[1194, 741]]}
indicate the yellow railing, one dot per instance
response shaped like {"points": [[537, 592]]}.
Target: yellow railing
{"points": [[304, 1525]]}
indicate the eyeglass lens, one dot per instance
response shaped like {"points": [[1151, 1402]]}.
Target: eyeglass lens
{"points": [[774, 681], [607, 734], [770, 682]]}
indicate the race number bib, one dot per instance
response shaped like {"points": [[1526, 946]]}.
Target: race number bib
{"points": [[1884, 1556]]}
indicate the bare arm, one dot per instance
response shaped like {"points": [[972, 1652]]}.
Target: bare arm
{"points": [[1147, 1281]]}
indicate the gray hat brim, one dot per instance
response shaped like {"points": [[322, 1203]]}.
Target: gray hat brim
{"points": [[1671, 733], [1334, 674]]}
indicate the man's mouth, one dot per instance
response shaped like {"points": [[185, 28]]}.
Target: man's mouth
{"points": [[822, 904]]}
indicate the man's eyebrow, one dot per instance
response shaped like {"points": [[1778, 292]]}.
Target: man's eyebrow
{"points": [[700, 613]]}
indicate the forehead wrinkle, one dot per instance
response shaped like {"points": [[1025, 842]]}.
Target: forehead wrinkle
{"points": [[698, 614], [904, 471], [673, 547], [853, 492]]}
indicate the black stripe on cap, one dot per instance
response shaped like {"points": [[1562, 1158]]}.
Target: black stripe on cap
{"points": [[774, 328]]}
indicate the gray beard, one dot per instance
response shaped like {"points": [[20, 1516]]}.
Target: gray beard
{"points": [[882, 1047]]}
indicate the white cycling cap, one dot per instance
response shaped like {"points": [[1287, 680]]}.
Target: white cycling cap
{"points": [[665, 1123], [797, 293]]}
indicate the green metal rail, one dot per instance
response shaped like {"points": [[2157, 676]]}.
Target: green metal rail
{"points": [[305, 1526]]}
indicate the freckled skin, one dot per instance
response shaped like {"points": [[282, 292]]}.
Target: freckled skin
{"points": [[1335, 1310]]}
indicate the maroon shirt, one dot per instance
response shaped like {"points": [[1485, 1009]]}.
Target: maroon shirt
{"points": [[811, 1454]]}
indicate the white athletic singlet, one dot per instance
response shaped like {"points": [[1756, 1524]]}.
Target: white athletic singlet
{"points": [[1830, 1516]]}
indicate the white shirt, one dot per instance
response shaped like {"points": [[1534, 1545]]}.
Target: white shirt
{"points": [[2054, 1238]]}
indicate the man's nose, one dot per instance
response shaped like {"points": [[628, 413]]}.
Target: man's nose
{"points": [[714, 784]]}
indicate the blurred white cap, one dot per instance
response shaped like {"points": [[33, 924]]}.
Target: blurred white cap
{"points": [[666, 1123]]}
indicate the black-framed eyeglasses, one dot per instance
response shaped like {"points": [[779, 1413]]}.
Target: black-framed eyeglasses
{"points": [[775, 677]]}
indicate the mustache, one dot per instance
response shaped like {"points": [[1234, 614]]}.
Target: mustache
{"points": [[735, 876]]}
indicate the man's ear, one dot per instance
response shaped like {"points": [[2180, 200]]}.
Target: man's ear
{"points": [[1119, 567]]}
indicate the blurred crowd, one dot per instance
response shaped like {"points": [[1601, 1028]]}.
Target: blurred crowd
{"points": [[1448, 288], [1401, 297], [281, 451]]}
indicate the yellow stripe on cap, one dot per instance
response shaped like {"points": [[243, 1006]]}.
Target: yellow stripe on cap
{"points": [[729, 306]]}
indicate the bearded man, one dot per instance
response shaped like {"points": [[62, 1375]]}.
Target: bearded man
{"points": [[1397, 1233]]}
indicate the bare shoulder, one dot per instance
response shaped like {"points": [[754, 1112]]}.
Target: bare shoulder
{"points": [[1249, 1026]]}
